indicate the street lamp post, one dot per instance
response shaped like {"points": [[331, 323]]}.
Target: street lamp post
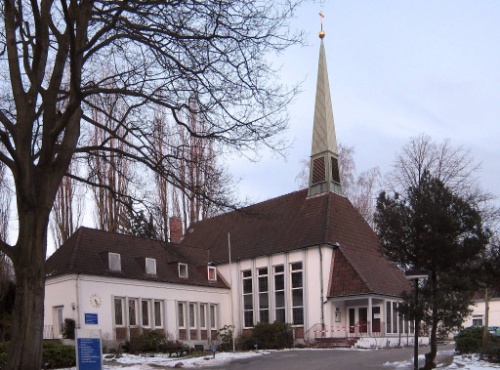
{"points": [[415, 276]]}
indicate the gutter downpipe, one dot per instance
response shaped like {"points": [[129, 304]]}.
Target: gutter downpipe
{"points": [[77, 302], [231, 291]]}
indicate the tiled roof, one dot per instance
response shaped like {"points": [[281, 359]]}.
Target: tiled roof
{"points": [[295, 221], [87, 250]]}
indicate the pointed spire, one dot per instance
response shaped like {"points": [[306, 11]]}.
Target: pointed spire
{"points": [[324, 168]]}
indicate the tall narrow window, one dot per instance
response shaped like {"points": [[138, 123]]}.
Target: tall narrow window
{"points": [[145, 313], [297, 293], [389, 317], [180, 315], [247, 298], [263, 295], [132, 312], [203, 313], [119, 312], [192, 315], [60, 320], [279, 293], [158, 314], [213, 316], [395, 317]]}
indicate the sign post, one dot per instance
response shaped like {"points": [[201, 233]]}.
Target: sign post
{"points": [[88, 349]]}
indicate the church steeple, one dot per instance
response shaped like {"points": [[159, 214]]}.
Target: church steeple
{"points": [[324, 172]]}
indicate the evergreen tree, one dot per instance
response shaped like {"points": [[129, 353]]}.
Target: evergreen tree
{"points": [[433, 229]]}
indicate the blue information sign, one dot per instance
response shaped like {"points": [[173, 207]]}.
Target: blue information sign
{"points": [[89, 354], [91, 319]]}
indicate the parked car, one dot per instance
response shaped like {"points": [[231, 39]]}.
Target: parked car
{"points": [[494, 330]]}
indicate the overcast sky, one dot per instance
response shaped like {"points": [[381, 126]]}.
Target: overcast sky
{"points": [[397, 69]]}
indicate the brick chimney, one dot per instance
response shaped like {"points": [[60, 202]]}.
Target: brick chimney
{"points": [[175, 229]]}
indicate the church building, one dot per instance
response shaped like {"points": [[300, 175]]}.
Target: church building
{"points": [[307, 258]]}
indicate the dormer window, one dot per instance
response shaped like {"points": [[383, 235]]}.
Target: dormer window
{"points": [[114, 261], [150, 266], [212, 273], [183, 270]]}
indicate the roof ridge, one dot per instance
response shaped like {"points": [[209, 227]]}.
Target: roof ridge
{"points": [[242, 209]]}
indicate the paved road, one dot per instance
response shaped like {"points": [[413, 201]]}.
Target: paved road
{"points": [[328, 359]]}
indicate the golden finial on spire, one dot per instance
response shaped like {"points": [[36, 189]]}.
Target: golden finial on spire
{"points": [[321, 16]]}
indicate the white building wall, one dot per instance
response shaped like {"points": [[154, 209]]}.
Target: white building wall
{"points": [[80, 292], [60, 294], [478, 313], [316, 275]]}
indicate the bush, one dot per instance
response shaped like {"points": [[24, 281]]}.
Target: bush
{"points": [[57, 355], [69, 329], [3, 360], [153, 341], [492, 350], [226, 337], [469, 340], [277, 335]]}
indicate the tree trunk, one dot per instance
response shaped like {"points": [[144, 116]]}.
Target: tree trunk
{"points": [[25, 349], [484, 341], [431, 356]]}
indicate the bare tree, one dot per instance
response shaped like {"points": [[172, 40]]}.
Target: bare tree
{"points": [[201, 177], [5, 200], [454, 166], [109, 168], [161, 199], [67, 213], [161, 53], [6, 273]]}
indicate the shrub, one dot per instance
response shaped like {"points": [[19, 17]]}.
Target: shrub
{"points": [[226, 337], [277, 335], [57, 355], [69, 329], [491, 352], [3, 360], [469, 340], [153, 340]]}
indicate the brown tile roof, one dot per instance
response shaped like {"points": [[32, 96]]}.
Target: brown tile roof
{"points": [[86, 253], [294, 221]]}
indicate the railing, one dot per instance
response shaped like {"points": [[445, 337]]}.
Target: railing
{"points": [[360, 329], [48, 332]]}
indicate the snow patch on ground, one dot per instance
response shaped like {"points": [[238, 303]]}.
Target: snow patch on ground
{"points": [[463, 362], [152, 362]]}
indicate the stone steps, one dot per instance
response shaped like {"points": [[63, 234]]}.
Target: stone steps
{"points": [[334, 342]]}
